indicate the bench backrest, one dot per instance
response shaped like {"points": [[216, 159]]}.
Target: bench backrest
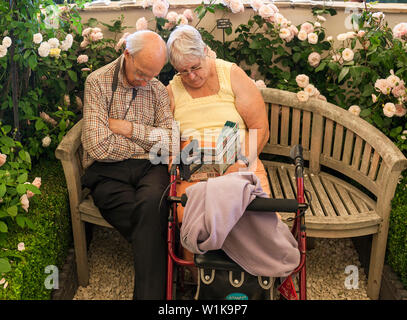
{"points": [[332, 137]]}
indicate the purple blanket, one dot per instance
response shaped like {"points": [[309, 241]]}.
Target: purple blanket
{"points": [[215, 217]]}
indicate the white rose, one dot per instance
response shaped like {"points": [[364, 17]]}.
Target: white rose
{"points": [[317, 24], [329, 38], [285, 33], [302, 35], [313, 38], [6, 42], [3, 51], [342, 37], [321, 18], [256, 4], [44, 49], [37, 38], [354, 109], [389, 109], [54, 43], [347, 54], [46, 141], [314, 59]]}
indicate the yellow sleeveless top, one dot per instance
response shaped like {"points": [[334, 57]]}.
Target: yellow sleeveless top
{"points": [[203, 118]]}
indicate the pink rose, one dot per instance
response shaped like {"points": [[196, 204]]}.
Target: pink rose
{"points": [[267, 11], [160, 9], [302, 80], [3, 159], [374, 98], [172, 16], [96, 36], [400, 110], [181, 19], [84, 43], [260, 84], [307, 27], [355, 110], [302, 96], [313, 59], [236, 6], [400, 30], [389, 109], [37, 182], [188, 14], [83, 58], [383, 86], [25, 203], [141, 24], [399, 90], [256, 4]]}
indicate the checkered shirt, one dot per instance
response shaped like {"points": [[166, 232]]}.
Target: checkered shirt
{"points": [[149, 112]]}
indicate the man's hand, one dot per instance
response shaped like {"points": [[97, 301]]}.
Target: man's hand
{"points": [[123, 127]]}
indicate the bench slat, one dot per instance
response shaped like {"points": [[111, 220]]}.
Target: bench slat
{"points": [[296, 123], [347, 201], [329, 125], [347, 150], [275, 183], [338, 142], [274, 121], [320, 190], [334, 197], [285, 118], [357, 152], [316, 208], [364, 167], [374, 165], [286, 185], [306, 129]]}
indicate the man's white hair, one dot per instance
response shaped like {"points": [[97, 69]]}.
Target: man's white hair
{"points": [[136, 41], [185, 41]]}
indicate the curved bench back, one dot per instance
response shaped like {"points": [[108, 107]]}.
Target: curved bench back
{"points": [[332, 137]]}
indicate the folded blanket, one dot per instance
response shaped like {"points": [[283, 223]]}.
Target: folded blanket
{"points": [[215, 217]]}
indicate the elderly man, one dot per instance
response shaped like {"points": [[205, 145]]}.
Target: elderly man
{"points": [[126, 113]]}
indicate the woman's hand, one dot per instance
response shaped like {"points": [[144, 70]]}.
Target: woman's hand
{"points": [[236, 167]]}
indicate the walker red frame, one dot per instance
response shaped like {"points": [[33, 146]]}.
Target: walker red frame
{"points": [[298, 231]]}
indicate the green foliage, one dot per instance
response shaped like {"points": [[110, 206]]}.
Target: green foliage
{"points": [[46, 244], [397, 241]]}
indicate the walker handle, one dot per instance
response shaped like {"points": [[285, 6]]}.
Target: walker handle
{"points": [[264, 204]]}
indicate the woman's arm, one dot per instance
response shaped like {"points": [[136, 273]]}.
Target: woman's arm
{"points": [[250, 105]]}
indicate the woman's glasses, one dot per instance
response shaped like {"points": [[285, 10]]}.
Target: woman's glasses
{"points": [[192, 70]]}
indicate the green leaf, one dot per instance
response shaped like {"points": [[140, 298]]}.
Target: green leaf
{"points": [[32, 62], [3, 227], [365, 112], [255, 45], [320, 67], [21, 189], [343, 74], [22, 178], [296, 57], [4, 265], [32, 188], [12, 211], [2, 190], [73, 75], [20, 221]]}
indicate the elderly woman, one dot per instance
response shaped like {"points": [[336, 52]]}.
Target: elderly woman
{"points": [[206, 93]]}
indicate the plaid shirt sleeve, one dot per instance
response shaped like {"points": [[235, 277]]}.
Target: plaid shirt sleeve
{"points": [[97, 139], [160, 135]]}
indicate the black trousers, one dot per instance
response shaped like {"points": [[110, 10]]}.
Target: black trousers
{"points": [[127, 194]]}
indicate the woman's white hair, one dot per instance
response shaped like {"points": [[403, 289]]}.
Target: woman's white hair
{"points": [[183, 42], [136, 41]]}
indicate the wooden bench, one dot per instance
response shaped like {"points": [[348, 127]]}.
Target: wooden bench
{"points": [[352, 174]]}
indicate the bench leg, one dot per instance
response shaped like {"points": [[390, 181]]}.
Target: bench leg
{"points": [[377, 256], [79, 236]]}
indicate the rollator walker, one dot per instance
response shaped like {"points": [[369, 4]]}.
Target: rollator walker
{"points": [[292, 287]]}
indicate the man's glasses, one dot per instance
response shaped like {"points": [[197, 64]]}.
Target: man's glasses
{"points": [[187, 72]]}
